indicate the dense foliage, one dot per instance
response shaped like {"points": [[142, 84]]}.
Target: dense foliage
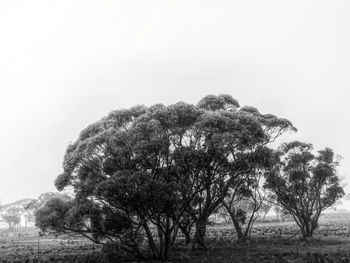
{"points": [[143, 174]]}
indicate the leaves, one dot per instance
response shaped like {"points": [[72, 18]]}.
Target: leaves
{"points": [[305, 184], [158, 165]]}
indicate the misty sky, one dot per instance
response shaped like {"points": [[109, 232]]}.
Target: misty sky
{"points": [[67, 63]]}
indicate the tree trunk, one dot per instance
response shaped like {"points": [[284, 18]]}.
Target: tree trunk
{"points": [[263, 219], [238, 229], [151, 243], [307, 234], [241, 235], [165, 247], [199, 236], [308, 229], [188, 238], [186, 232]]}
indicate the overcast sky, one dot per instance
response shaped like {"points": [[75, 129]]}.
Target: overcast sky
{"points": [[67, 63]]}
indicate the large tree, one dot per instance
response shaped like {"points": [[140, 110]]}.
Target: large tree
{"points": [[128, 187], [305, 183], [234, 142], [141, 174]]}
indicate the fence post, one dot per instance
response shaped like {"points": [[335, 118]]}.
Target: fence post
{"points": [[39, 236], [38, 246]]}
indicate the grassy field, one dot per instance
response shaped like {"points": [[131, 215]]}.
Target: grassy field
{"points": [[270, 242], [27, 245]]}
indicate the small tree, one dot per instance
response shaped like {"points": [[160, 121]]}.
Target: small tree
{"points": [[28, 218], [244, 201], [242, 205], [12, 217], [305, 184], [264, 210], [13, 212], [34, 205]]}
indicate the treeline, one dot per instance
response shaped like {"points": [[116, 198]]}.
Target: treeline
{"points": [[24, 210], [142, 175]]}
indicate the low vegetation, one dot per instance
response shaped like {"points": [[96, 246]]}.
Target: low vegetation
{"points": [[269, 242]]}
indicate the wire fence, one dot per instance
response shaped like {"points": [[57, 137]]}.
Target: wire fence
{"points": [[36, 247]]}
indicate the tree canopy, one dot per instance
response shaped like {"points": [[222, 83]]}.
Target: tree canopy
{"points": [[305, 183], [141, 174]]}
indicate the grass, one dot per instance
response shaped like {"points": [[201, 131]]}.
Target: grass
{"points": [[269, 243]]}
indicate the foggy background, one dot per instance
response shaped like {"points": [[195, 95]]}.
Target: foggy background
{"points": [[65, 64]]}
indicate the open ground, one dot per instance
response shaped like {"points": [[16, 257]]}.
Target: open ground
{"points": [[270, 242]]}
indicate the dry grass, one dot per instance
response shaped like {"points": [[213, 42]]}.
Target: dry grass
{"points": [[269, 243]]}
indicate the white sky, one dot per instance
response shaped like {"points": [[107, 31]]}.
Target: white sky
{"points": [[67, 63]]}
